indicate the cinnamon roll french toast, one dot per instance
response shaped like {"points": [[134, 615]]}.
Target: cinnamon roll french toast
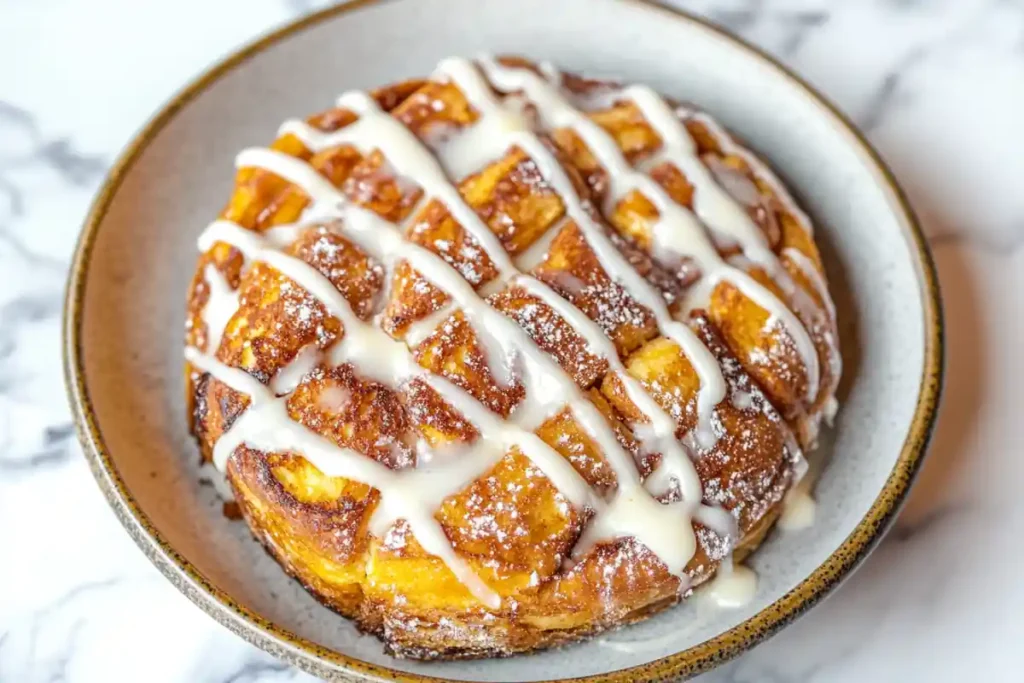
{"points": [[500, 358]]}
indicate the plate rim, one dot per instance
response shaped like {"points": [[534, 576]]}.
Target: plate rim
{"points": [[319, 660]]}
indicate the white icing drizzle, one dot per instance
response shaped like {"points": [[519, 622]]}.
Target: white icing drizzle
{"points": [[292, 169], [415, 494], [711, 203], [290, 376], [220, 306], [739, 186], [798, 509], [677, 232], [280, 236], [810, 271], [418, 331], [796, 294], [464, 154], [378, 355], [409, 157], [760, 169], [830, 410], [813, 311], [732, 587]]}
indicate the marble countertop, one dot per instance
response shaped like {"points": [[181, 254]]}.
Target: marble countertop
{"points": [[938, 86]]}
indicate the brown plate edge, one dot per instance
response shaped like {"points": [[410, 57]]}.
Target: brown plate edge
{"points": [[328, 663]]}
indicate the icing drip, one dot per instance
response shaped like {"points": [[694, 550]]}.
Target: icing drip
{"points": [[733, 587], [798, 509], [414, 494], [810, 310], [220, 306], [830, 410]]}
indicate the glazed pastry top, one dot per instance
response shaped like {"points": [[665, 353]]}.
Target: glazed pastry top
{"points": [[503, 313]]}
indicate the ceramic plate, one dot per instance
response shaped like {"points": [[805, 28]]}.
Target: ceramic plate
{"points": [[125, 311]]}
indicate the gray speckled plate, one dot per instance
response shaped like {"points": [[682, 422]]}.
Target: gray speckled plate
{"points": [[126, 292]]}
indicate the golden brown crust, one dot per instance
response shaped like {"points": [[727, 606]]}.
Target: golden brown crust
{"points": [[512, 526]]}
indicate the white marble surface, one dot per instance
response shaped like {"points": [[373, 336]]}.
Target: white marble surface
{"points": [[938, 85]]}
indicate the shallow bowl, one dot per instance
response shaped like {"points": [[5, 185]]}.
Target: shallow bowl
{"points": [[125, 310]]}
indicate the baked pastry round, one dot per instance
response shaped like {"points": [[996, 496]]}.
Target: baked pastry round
{"points": [[504, 357]]}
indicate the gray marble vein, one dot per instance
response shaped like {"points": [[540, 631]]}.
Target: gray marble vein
{"points": [[888, 94], [800, 26], [741, 18], [59, 153], [56, 448]]}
